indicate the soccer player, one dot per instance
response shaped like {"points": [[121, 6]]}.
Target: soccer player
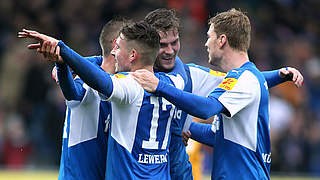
{"points": [[199, 80], [240, 133], [84, 147], [140, 123]]}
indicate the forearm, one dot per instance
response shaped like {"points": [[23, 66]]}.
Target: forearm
{"points": [[273, 78], [202, 133], [95, 60], [88, 72], [202, 107], [69, 88]]}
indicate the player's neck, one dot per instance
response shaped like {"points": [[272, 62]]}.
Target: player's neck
{"points": [[149, 68], [235, 59], [108, 64], [140, 65]]}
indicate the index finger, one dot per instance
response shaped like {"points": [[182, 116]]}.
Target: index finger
{"points": [[37, 37], [29, 31]]}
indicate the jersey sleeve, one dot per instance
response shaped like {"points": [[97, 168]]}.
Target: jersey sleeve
{"points": [[92, 75], [237, 90], [204, 80], [199, 106], [273, 78], [86, 94], [125, 89], [203, 133], [71, 89], [95, 59]]}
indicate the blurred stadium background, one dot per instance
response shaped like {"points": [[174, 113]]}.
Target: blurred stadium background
{"points": [[285, 32]]}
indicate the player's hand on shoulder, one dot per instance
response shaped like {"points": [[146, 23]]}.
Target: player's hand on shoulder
{"points": [[146, 79], [293, 75]]}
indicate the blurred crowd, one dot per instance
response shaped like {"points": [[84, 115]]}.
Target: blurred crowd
{"points": [[285, 33]]}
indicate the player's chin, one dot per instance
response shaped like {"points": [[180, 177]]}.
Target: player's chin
{"points": [[168, 66], [168, 62]]}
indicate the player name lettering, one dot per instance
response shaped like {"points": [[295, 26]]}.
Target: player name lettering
{"points": [[152, 158]]}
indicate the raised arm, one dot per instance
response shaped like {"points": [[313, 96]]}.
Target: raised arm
{"points": [[88, 72], [61, 74], [71, 90], [202, 107], [277, 77]]}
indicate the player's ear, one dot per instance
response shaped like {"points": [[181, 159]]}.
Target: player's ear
{"points": [[222, 40], [133, 55]]}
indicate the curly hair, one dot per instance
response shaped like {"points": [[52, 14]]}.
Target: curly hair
{"points": [[163, 19]]}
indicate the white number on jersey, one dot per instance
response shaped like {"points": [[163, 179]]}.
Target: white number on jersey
{"points": [[152, 143]]}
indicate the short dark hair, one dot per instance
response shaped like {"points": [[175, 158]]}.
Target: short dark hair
{"points": [[110, 32], [236, 26], [144, 38], [163, 19]]}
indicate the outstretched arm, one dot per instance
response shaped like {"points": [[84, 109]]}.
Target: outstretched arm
{"points": [[277, 77], [88, 72], [202, 107]]}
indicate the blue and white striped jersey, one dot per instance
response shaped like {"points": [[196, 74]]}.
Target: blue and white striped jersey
{"points": [[84, 142], [140, 130], [201, 81], [241, 134], [242, 138]]}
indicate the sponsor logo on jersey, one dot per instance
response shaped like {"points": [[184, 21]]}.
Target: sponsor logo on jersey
{"points": [[120, 75], [217, 73], [228, 83], [235, 71]]}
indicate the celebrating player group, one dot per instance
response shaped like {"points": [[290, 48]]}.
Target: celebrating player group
{"points": [[130, 110]]}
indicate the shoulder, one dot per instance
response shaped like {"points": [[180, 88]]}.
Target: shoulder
{"points": [[121, 75], [171, 78], [236, 73], [198, 68], [240, 77]]}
